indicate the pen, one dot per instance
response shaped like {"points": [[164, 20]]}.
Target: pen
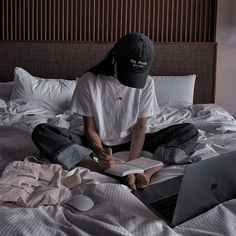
{"points": [[105, 150], [101, 149]]}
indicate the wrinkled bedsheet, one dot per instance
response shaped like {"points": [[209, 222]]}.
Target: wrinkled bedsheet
{"points": [[116, 211]]}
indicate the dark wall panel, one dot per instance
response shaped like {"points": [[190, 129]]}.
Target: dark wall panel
{"points": [[108, 20]]}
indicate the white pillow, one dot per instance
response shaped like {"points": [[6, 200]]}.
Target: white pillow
{"points": [[174, 91], [55, 94], [6, 90]]}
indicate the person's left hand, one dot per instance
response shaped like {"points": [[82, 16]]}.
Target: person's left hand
{"points": [[106, 159]]}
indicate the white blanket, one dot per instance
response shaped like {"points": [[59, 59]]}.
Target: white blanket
{"points": [[116, 211]]}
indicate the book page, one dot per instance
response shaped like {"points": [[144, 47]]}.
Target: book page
{"points": [[123, 155], [123, 170], [144, 163]]}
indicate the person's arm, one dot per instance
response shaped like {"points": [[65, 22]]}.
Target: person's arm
{"points": [[137, 138], [106, 159], [148, 107], [91, 133]]}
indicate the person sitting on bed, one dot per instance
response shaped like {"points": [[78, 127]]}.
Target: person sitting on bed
{"points": [[116, 99]]}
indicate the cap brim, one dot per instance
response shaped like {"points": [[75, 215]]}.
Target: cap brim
{"points": [[132, 79]]}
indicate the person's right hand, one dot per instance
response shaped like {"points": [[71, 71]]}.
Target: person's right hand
{"points": [[106, 159]]}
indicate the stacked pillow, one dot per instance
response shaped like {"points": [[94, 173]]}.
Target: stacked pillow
{"points": [[51, 93], [174, 91], [56, 94]]}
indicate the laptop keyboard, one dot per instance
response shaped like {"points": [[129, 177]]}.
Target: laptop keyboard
{"points": [[166, 206]]}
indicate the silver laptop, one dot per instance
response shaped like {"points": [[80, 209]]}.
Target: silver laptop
{"points": [[203, 185]]}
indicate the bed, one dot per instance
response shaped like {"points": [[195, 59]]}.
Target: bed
{"points": [[116, 210]]}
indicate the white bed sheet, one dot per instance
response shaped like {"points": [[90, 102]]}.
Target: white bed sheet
{"points": [[116, 210]]}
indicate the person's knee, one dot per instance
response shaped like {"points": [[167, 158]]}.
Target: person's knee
{"points": [[193, 127], [192, 132], [38, 130], [190, 125]]}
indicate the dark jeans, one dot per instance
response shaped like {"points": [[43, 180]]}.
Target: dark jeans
{"points": [[184, 135], [51, 140]]}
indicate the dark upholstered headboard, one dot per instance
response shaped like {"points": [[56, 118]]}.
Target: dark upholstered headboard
{"points": [[69, 60]]}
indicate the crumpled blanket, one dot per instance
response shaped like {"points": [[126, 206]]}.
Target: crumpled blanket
{"points": [[31, 184]]}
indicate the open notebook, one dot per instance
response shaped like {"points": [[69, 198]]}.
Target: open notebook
{"points": [[138, 165]]}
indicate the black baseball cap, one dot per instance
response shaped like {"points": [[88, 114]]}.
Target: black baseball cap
{"points": [[134, 54]]}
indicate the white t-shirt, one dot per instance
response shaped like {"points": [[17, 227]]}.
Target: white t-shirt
{"points": [[114, 106]]}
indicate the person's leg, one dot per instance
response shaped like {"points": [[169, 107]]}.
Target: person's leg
{"points": [[88, 162], [151, 142], [56, 144], [179, 134], [49, 139], [184, 135], [135, 180], [143, 179]]}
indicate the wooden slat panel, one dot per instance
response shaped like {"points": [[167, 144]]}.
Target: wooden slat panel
{"points": [[108, 20]]}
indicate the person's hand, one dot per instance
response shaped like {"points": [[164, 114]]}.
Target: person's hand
{"points": [[106, 160]]}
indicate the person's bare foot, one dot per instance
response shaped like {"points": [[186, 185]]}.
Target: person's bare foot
{"points": [[142, 180], [130, 181]]}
